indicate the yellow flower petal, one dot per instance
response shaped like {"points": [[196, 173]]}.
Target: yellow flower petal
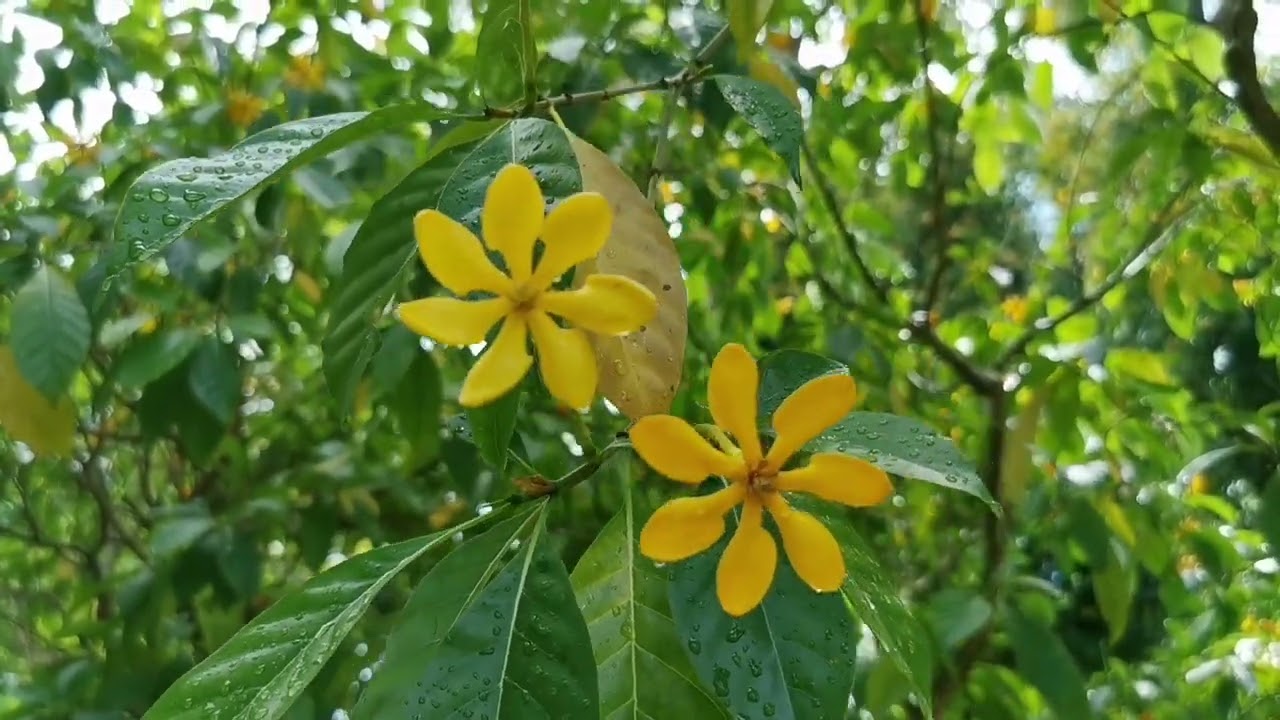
{"points": [[746, 569], [838, 478], [454, 256], [566, 359], [812, 408], [511, 219], [731, 393], [672, 447], [605, 304], [810, 546], [686, 526], [502, 365], [575, 230], [452, 321]]}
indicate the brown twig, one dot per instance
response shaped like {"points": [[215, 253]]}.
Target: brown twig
{"points": [[1238, 29]]}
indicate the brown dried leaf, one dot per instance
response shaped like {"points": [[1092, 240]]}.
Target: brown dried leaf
{"points": [[639, 373]]}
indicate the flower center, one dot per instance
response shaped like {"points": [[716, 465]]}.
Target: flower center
{"points": [[525, 297], [760, 479]]}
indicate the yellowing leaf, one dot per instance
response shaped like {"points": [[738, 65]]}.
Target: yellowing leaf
{"points": [[746, 17], [639, 373], [1046, 20], [1140, 364], [30, 418], [766, 71], [309, 287], [1015, 463]]}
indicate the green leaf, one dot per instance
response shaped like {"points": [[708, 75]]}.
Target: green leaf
{"points": [[899, 445], [957, 615], [453, 182], [640, 659], [493, 425], [168, 200], [791, 658], [1114, 584], [1203, 462], [400, 346], [520, 650], [506, 57], [261, 671], [1045, 663], [149, 358], [988, 162], [1269, 513], [434, 609], [49, 332], [1167, 26], [179, 531], [767, 110], [1139, 364], [416, 405], [906, 447], [215, 379], [876, 603]]}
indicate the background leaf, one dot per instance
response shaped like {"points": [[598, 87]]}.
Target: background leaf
{"points": [[1046, 664], [50, 332], [151, 356], [770, 113], [261, 671], [876, 603], [520, 647], [435, 608], [507, 59], [169, 199], [640, 658], [215, 379], [493, 425]]}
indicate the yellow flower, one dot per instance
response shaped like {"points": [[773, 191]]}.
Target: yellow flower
{"points": [[512, 221], [1199, 484], [305, 73], [687, 526], [1015, 307], [244, 108]]}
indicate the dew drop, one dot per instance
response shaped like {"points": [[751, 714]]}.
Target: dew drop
{"points": [[695, 646], [170, 220]]}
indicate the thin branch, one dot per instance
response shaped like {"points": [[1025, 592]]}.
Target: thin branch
{"points": [[850, 241], [937, 223], [36, 534], [1239, 29], [920, 330], [674, 82], [696, 68], [1157, 236]]}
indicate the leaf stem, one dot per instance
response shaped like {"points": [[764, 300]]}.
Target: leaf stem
{"points": [[674, 82]]}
